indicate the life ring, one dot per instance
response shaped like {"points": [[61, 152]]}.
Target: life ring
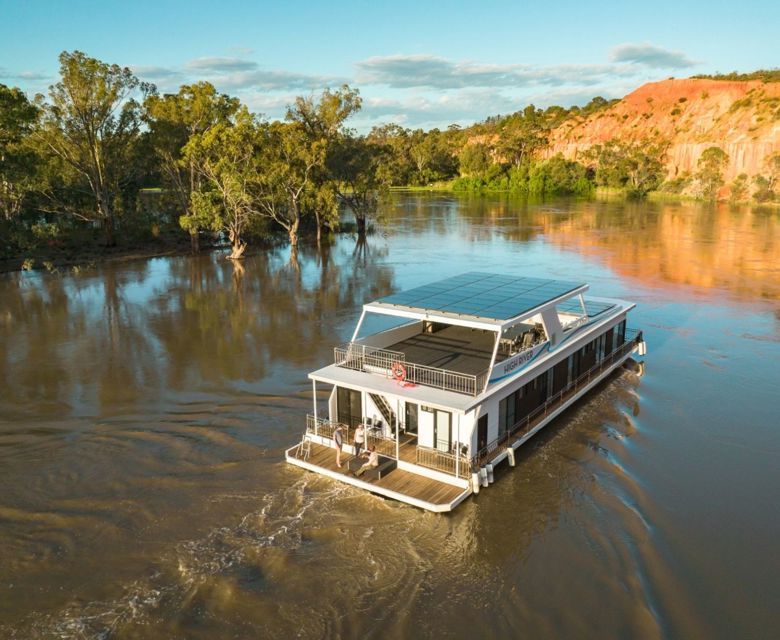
{"points": [[399, 371]]}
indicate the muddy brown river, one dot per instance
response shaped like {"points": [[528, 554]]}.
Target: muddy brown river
{"points": [[145, 407]]}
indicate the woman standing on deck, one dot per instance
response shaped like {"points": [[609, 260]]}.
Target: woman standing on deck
{"points": [[338, 440]]}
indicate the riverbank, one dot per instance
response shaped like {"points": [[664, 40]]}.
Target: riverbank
{"points": [[599, 193]]}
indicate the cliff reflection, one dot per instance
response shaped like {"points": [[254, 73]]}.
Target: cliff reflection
{"points": [[736, 249]]}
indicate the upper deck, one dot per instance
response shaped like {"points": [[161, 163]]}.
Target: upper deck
{"points": [[462, 334]]}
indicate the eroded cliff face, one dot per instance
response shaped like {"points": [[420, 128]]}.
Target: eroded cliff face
{"points": [[742, 118]]}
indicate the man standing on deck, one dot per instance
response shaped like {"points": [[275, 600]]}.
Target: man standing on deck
{"points": [[360, 438]]}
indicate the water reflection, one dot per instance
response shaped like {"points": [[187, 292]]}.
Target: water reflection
{"points": [[734, 249], [144, 408], [121, 336]]}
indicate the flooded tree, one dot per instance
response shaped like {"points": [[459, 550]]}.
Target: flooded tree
{"points": [[173, 119], [90, 126], [226, 157]]}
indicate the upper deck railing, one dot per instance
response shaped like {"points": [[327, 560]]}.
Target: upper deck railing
{"points": [[360, 357]]}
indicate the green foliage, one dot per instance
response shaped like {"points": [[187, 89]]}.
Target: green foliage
{"points": [[739, 188], [474, 159], [764, 75], [555, 176], [709, 174], [636, 167], [173, 119], [91, 125], [19, 163], [676, 185], [338, 162]]}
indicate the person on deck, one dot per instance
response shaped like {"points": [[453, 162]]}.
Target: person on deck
{"points": [[360, 438], [338, 440], [373, 461]]}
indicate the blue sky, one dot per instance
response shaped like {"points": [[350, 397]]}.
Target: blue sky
{"points": [[416, 63]]}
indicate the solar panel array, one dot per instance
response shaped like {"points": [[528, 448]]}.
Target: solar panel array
{"points": [[593, 308], [483, 295]]}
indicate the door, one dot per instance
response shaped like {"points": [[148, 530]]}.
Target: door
{"points": [[411, 418], [443, 430], [482, 432], [349, 407]]}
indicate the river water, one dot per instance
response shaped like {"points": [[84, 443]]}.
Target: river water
{"points": [[145, 407]]}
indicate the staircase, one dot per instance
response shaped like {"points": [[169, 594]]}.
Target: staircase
{"points": [[384, 408]]}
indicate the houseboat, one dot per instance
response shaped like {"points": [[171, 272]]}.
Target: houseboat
{"points": [[448, 379]]}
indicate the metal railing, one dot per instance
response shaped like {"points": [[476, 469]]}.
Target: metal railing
{"points": [[523, 426], [325, 428], [384, 445], [443, 461], [360, 357]]}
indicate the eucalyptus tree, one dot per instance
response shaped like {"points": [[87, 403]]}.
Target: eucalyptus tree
{"points": [[709, 172], [362, 177], [17, 159], [90, 125], [226, 158], [323, 123], [523, 134], [288, 158], [173, 119]]}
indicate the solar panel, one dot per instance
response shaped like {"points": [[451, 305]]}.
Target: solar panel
{"points": [[484, 295]]}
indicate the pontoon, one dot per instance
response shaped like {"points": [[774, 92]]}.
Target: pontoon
{"points": [[463, 372]]}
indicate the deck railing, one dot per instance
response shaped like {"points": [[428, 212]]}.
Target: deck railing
{"points": [[527, 423], [384, 445], [443, 461], [362, 358], [325, 428]]}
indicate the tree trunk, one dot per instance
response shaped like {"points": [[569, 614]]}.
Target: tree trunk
{"points": [[108, 232], [237, 245], [293, 233], [194, 241], [360, 220]]}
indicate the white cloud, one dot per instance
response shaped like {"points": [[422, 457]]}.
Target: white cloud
{"points": [[220, 65], [430, 72], [651, 55]]}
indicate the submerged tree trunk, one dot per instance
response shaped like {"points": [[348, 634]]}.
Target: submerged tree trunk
{"points": [[361, 225], [237, 245], [194, 241], [108, 232]]}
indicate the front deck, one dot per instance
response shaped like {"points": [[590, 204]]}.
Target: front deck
{"points": [[397, 484]]}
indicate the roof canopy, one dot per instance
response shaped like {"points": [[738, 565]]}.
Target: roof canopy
{"points": [[484, 298]]}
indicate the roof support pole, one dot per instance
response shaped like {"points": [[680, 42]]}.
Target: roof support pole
{"points": [[457, 447], [397, 429], [359, 324], [314, 398], [492, 359]]}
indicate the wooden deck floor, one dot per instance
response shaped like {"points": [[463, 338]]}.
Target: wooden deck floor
{"points": [[398, 480], [454, 348]]}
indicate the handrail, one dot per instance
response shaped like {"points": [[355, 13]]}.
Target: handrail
{"points": [[325, 428], [359, 357], [384, 444], [525, 424], [443, 461]]}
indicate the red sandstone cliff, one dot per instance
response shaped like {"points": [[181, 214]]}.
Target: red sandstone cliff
{"points": [[742, 118]]}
